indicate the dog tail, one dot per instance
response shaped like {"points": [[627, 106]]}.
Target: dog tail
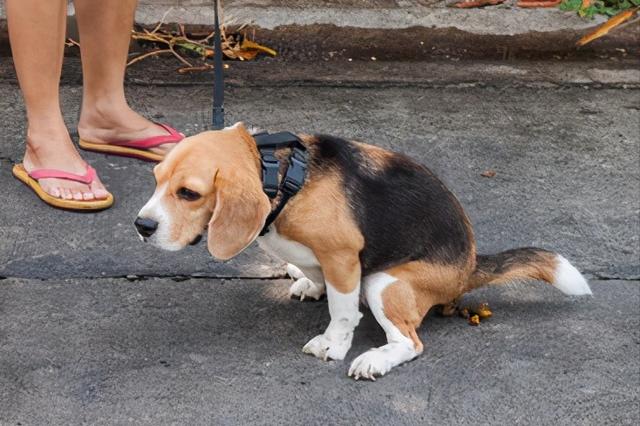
{"points": [[529, 263]]}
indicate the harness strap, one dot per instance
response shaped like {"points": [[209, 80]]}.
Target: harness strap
{"points": [[294, 174]]}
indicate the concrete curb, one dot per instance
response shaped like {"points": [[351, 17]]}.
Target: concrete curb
{"points": [[495, 21], [502, 20]]}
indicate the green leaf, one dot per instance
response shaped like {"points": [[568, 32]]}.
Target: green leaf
{"points": [[598, 7], [570, 5]]}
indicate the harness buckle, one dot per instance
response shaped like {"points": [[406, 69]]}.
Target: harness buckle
{"points": [[270, 170], [294, 176], [296, 172]]}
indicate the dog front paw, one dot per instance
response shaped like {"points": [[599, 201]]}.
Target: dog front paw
{"points": [[325, 348], [294, 272], [370, 364], [305, 288]]}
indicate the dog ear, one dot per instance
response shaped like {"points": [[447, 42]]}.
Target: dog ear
{"points": [[239, 214]]}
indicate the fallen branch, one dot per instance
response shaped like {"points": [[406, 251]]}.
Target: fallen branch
{"points": [[614, 22], [148, 54], [187, 70], [466, 4], [538, 3]]}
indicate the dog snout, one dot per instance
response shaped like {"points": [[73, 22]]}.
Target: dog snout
{"points": [[145, 226]]}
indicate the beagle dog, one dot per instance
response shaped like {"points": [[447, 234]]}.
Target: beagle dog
{"points": [[365, 221]]}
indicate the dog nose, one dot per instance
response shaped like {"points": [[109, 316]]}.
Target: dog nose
{"points": [[146, 227]]}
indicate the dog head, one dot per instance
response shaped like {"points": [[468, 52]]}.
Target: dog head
{"points": [[210, 180]]}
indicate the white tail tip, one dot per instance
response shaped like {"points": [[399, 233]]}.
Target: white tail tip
{"points": [[569, 280]]}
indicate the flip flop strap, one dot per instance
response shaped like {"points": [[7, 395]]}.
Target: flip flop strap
{"points": [[173, 137], [87, 178]]}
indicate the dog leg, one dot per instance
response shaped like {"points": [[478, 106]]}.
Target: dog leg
{"points": [[397, 313], [342, 278], [308, 284]]}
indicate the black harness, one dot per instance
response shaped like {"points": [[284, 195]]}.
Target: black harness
{"points": [[293, 176]]}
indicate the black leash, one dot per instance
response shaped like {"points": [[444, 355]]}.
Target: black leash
{"points": [[267, 144], [218, 75]]}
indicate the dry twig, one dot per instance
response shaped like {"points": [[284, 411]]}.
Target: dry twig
{"points": [[234, 46]]}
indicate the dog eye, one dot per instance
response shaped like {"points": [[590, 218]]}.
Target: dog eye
{"points": [[187, 194]]}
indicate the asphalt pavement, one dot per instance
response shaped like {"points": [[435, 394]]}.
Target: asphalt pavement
{"points": [[98, 328]]}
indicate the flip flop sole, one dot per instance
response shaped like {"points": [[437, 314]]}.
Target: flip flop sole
{"points": [[22, 175], [122, 151]]}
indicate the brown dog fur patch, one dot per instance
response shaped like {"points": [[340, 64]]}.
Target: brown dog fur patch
{"points": [[319, 218], [376, 158], [432, 284], [401, 308], [420, 286]]}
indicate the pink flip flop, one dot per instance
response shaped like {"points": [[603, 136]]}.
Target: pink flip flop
{"points": [[31, 180], [138, 148]]}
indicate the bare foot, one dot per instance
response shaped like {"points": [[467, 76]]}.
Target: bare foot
{"points": [[53, 149], [106, 123]]}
